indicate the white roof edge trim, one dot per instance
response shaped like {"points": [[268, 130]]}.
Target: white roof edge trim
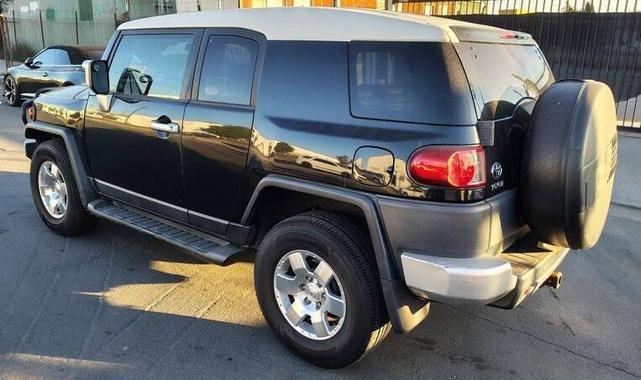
{"points": [[315, 24]]}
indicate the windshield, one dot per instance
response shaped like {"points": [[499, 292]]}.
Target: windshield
{"points": [[501, 75]]}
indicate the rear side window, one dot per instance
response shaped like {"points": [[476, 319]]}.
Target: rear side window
{"points": [[228, 70], [420, 82], [153, 65]]}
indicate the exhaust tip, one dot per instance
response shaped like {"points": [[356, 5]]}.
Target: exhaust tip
{"points": [[554, 281]]}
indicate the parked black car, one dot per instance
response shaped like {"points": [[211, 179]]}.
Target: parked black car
{"points": [[373, 162], [54, 66]]}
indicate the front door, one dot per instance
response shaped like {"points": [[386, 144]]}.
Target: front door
{"points": [[217, 126], [134, 142]]}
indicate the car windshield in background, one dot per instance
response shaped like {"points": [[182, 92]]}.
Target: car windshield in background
{"points": [[503, 74], [418, 82]]}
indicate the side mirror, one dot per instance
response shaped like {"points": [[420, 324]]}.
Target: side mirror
{"points": [[97, 76], [28, 62]]}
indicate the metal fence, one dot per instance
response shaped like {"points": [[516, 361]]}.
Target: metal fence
{"points": [[591, 39], [580, 38], [595, 44]]}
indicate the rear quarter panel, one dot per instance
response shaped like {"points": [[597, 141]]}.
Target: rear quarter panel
{"points": [[303, 114]]}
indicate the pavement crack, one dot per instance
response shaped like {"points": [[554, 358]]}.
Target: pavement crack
{"points": [[201, 313], [32, 258], [150, 306], [101, 301], [44, 302], [559, 346]]}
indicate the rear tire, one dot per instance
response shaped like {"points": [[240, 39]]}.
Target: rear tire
{"points": [[75, 219], [331, 239]]}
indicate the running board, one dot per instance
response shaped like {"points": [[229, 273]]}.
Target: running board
{"points": [[206, 247]]}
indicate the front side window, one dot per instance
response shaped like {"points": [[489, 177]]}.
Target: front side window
{"points": [[228, 70], [47, 57], [153, 65], [419, 82]]}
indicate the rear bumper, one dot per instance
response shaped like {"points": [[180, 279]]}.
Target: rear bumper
{"points": [[502, 281], [452, 230], [449, 280], [478, 253]]}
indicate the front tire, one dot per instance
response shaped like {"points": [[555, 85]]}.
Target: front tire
{"points": [[318, 289], [11, 92], [54, 190]]}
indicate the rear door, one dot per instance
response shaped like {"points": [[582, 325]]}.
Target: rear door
{"points": [[134, 147], [218, 123]]}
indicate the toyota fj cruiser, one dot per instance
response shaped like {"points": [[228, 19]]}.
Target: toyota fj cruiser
{"points": [[373, 162]]}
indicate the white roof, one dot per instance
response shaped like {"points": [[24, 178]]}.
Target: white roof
{"points": [[324, 24]]}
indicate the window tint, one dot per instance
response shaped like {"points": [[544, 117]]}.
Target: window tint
{"points": [[412, 82], [153, 65], [48, 57], [228, 70]]}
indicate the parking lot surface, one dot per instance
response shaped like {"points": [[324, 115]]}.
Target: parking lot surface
{"points": [[116, 303]]}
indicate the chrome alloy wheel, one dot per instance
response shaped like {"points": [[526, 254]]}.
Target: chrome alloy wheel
{"points": [[53, 189], [309, 294], [10, 91]]}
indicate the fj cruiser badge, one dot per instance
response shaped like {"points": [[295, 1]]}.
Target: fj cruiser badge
{"points": [[496, 170]]}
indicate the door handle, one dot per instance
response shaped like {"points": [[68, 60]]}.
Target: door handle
{"points": [[165, 127], [45, 74]]}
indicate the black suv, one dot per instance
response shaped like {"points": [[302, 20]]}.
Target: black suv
{"points": [[372, 161]]}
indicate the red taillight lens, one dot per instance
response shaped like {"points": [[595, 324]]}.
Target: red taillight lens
{"points": [[449, 166]]}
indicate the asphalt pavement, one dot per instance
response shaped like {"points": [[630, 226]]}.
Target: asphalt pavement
{"points": [[118, 304]]}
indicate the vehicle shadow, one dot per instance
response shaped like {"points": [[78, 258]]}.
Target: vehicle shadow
{"points": [[117, 303]]}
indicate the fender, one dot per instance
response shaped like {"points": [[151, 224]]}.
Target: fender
{"points": [[405, 310], [85, 185]]}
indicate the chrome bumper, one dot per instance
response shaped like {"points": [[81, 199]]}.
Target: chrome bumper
{"points": [[503, 280], [481, 280]]}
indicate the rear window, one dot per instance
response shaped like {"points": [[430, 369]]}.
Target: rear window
{"points": [[502, 74], [418, 82]]}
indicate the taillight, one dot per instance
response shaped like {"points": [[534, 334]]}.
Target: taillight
{"points": [[461, 167], [31, 113]]}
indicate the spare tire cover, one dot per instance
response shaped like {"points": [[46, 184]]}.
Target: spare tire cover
{"points": [[569, 161]]}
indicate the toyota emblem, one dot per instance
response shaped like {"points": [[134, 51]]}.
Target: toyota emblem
{"points": [[496, 170]]}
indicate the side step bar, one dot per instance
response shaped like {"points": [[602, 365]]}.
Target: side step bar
{"points": [[206, 247]]}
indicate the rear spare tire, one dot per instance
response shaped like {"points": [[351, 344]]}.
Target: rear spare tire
{"points": [[569, 162]]}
